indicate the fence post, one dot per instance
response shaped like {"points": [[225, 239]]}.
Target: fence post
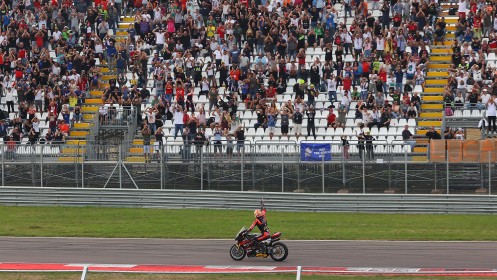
{"points": [[344, 176], [202, 168], [322, 169], [82, 168], [447, 173], [489, 173], [76, 158], [298, 166], [120, 168], [363, 172], [405, 171], [282, 171], [3, 164], [389, 167], [41, 168], [32, 157], [253, 165], [242, 159], [161, 154]]}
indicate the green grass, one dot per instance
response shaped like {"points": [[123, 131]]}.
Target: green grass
{"points": [[161, 223], [128, 276]]}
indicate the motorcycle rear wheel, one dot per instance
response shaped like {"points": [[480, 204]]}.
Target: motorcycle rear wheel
{"points": [[237, 252], [279, 251]]}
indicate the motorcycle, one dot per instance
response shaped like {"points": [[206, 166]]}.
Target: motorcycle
{"points": [[246, 245]]}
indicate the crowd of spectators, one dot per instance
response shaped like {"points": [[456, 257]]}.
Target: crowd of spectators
{"points": [[250, 53], [372, 54], [471, 84], [48, 58]]}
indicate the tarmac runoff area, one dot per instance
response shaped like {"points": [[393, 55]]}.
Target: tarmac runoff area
{"points": [[211, 256]]}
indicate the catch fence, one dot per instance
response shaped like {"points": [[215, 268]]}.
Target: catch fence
{"points": [[261, 166]]}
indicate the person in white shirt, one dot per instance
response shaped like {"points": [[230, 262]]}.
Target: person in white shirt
{"points": [[178, 122], [160, 38], [332, 88], [347, 37], [9, 99], [56, 35], [367, 116], [225, 57], [150, 113], [484, 98], [357, 46], [476, 73], [462, 8], [346, 99], [491, 114], [39, 99], [462, 83], [218, 56]]}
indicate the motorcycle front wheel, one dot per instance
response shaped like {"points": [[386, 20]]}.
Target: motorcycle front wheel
{"points": [[237, 252], [279, 252]]}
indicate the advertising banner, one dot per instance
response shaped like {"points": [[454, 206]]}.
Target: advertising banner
{"points": [[315, 151]]}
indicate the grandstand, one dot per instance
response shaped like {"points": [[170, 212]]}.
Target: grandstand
{"points": [[431, 91]]}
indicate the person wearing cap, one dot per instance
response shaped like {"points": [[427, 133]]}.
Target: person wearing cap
{"points": [[311, 95]]}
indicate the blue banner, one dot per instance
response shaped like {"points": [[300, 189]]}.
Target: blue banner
{"points": [[315, 151]]}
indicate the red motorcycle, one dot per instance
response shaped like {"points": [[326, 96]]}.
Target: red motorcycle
{"points": [[247, 245]]}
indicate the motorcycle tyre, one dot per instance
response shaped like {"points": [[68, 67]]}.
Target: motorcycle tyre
{"points": [[234, 247], [285, 255]]}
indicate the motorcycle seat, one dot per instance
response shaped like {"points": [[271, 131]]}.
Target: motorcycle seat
{"points": [[277, 234]]}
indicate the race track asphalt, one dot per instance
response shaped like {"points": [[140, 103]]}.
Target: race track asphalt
{"points": [[398, 254]]}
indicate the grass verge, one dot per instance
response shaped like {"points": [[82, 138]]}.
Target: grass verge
{"points": [[162, 223]]}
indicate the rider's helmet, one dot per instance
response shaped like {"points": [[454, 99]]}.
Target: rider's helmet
{"points": [[258, 213]]}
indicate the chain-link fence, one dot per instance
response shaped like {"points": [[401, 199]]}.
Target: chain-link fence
{"points": [[268, 166]]}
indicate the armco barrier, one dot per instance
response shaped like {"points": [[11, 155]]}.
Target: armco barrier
{"points": [[177, 199]]}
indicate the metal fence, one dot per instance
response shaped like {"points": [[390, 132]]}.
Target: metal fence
{"points": [[261, 166], [276, 201]]}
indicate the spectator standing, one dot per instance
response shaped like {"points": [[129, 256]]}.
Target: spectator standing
{"points": [[285, 122], [178, 116], [146, 134], [297, 122], [491, 114], [408, 137], [311, 126], [368, 138]]}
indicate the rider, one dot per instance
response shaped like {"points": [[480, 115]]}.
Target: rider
{"points": [[261, 222]]}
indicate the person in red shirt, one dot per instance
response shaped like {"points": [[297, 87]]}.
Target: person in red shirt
{"points": [[383, 78], [412, 26], [220, 31], [180, 93], [331, 119], [347, 83], [235, 73], [64, 128], [271, 92], [397, 20], [477, 26], [19, 70], [365, 68], [39, 37]]}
